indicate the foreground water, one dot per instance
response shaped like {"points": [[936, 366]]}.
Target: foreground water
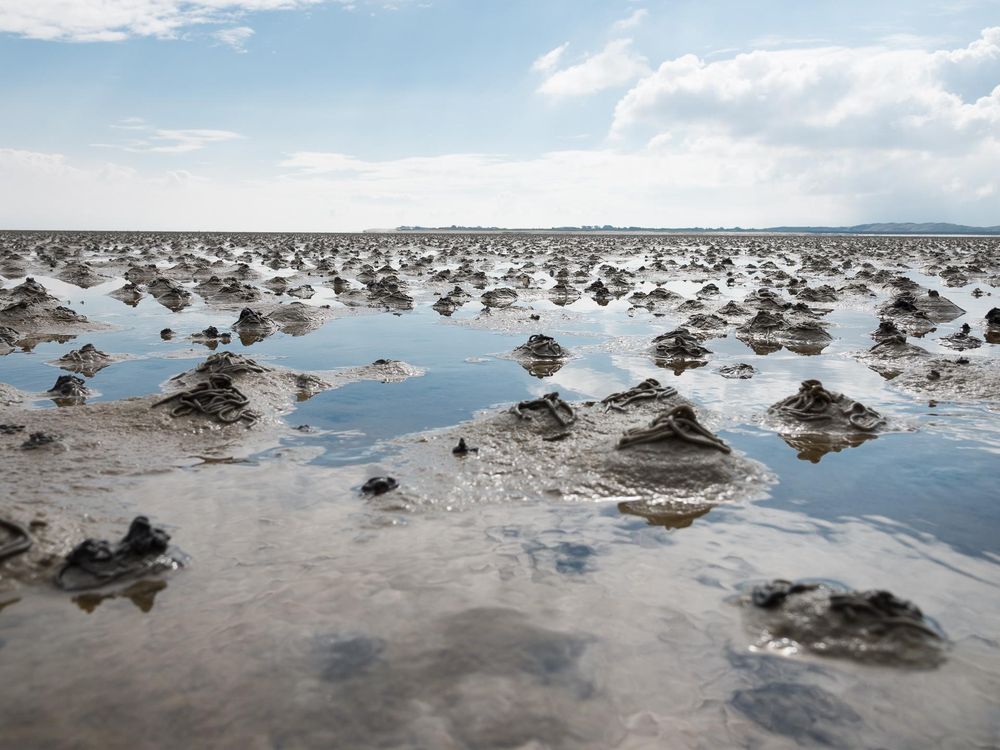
{"points": [[307, 618]]}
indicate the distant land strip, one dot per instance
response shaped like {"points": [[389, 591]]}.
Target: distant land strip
{"points": [[926, 228]]}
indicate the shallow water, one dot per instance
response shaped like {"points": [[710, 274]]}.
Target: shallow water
{"points": [[307, 618]]}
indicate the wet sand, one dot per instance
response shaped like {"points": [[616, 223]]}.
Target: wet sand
{"points": [[478, 607]]}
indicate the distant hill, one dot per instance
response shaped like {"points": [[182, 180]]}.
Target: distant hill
{"points": [[910, 228], [893, 228]]}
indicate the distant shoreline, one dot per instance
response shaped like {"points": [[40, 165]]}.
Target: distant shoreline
{"points": [[887, 229], [861, 230]]}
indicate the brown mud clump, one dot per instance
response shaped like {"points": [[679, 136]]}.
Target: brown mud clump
{"points": [[8, 339], [500, 297], [379, 485], [29, 308], [739, 371], [131, 294], [962, 339], [919, 313], [253, 326], [678, 350], [217, 398], [769, 331], [892, 355], [541, 355], [815, 406], [144, 550], [816, 421], [211, 337], [298, 319], [993, 325], [679, 422], [87, 360], [886, 330], [170, 294], [649, 389], [874, 627], [68, 390]]}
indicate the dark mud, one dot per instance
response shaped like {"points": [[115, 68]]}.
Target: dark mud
{"points": [[832, 620]]}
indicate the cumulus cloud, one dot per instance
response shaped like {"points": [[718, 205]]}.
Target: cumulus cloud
{"points": [[235, 37], [822, 135], [116, 20], [166, 141], [867, 97], [632, 20], [616, 65]]}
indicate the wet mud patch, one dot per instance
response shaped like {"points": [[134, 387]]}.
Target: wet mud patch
{"points": [[347, 657], [517, 319], [284, 549], [485, 677], [651, 449], [228, 406], [29, 310], [807, 714], [893, 355], [962, 379]]}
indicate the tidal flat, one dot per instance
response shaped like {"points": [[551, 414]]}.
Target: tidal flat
{"points": [[735, 415]]}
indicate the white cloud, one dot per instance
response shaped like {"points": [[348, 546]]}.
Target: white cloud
{"points": [[35, 163], [827, 97], [182, 141], [775, 41], [550, 60], [235, 37], [166, 141], [710, 180], [116, 20], [616, 65], [829, 135], [987, 47], [131, 123], [632, 20]]}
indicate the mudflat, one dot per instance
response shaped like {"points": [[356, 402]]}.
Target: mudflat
{"points": [[489, 490]]}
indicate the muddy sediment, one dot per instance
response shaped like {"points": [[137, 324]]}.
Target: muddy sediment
{"points": [[227, 407], [550, 449], [525, 574]]}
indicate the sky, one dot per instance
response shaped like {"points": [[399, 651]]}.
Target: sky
{"points": [[342, 115]]}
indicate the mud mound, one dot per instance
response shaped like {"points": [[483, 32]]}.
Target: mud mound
{"points": [[644, 444], [830, 620]]}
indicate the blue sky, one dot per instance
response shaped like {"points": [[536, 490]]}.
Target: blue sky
{"points": [[334, 115]]}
